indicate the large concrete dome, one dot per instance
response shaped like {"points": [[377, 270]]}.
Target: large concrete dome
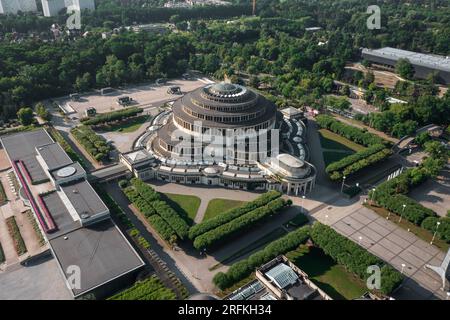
{"points": [[218, 112]]}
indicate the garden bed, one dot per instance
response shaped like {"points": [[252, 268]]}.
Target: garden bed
{"points": [[14, 232]]}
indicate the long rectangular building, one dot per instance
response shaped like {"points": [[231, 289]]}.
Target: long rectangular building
{"points": [[423, 64], [72, 217]]}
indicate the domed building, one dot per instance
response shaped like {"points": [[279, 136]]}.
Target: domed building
{"points": [[217, 123], [229, 135]]}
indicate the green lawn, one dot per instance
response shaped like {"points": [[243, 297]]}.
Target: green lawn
{"points": [[336, 147], [327, 274], [217, 206], [331, 140], [187, 206], [130, 125]]}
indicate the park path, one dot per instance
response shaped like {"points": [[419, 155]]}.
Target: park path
{"points": [[403, 250], [205, 194]]}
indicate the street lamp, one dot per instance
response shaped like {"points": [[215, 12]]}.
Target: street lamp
{"points": [[326, 219], [434, 235], [343, 181], [303, 202], [373, 195], [401, 215], [403, 267], [359, 242]]}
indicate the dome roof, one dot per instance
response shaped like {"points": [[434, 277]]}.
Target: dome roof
{"points": [[224, 88], [210, 170], [290, 161]]}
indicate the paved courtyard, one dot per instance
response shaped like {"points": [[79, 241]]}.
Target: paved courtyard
{"points": [[434, 194], [38, 282], [392, 244], [144, 95]]}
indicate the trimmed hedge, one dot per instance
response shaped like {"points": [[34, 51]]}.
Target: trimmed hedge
{"points": [[162, 227], [244, 268], [353, 257], [357, 161], [149, 289], [414, 211], [148, 194], [376, 151], [231, 214], [350, 132], [112, 116], [223, 232], [13, 229], [443, 232], [93, 143]]}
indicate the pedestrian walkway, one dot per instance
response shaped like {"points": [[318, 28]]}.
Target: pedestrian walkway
{"points": [[403, 250]]}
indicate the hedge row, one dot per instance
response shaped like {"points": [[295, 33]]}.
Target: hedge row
{"points": [[350, 132], [226, 230], [163, 228], [93, 143], [231, 214], [158, 223], [166, 212], [443, 231], [414, 211], [172, 218], [112, 116], [14, 232], [345, 162], [244, 268], [353, 257], [149, 289], [143, 206]]}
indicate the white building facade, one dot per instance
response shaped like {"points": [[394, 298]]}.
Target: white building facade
{"points": [[14, 6]]}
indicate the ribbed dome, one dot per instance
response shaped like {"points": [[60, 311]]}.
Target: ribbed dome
{"points": [[224, 88]]}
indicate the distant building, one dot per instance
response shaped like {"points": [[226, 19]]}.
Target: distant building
{"points": [[424, 64], [156, 28], [14, 6]]}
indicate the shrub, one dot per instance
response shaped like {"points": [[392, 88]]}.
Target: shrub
{"points": [[350, 132], [355, 258], [149, 289], [152, 198], [231, 214], [443, 232], [234, 226], [163, 229], [19, 243], [244, 268], [94, 144], [112, 116], [123, 184]]}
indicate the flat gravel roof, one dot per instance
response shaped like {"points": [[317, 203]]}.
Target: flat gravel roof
{"points": [[54, 156], [100, 251], [83, 197]]}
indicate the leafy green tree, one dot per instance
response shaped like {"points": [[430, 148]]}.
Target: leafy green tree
{"points": [[25, 116], [404, 68], [42, 111]]}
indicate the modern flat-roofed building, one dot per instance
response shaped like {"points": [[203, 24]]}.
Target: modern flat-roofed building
{"points": [[423, 64], [72, 217], [14, 6]]}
